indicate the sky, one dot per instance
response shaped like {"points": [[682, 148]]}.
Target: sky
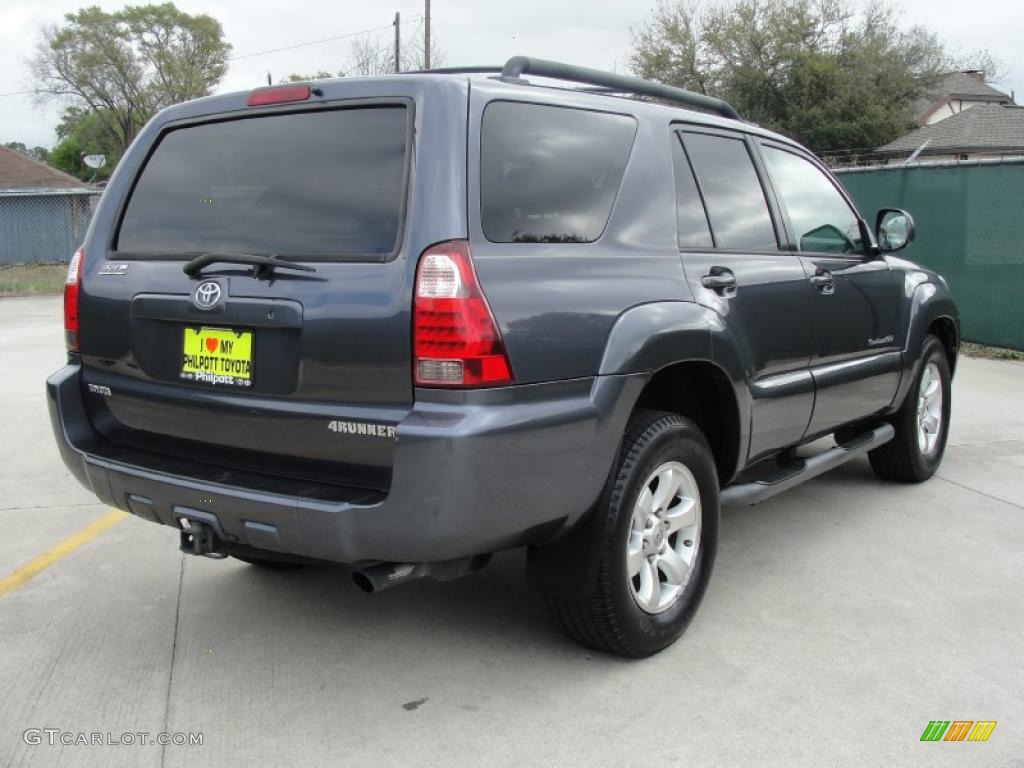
{"points": [[473, 32]]}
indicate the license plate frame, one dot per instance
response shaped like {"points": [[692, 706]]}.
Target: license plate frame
{"points": [[217, 356]]}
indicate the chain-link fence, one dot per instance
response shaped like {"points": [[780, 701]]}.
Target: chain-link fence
{"points": [[43, 226], [970, 229]]}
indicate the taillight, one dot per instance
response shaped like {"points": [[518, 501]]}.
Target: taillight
{"points": [[456, 342], [71, 285], [278, 94]]}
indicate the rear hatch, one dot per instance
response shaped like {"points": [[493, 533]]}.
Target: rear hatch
{"points": [[294, 372]]}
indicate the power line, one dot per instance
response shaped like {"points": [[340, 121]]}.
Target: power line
{"points": [[317, 42], [278, 50]]}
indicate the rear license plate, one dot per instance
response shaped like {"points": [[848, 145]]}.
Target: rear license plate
{"points": [[217, 356]]}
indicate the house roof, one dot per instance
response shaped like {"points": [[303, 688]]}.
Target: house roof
{"points": [[986, 127], [971, 85], [19, 171], [963, 86]]}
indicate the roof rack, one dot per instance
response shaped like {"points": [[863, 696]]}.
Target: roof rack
{"points": [[487, 69], [518, 66], [604, 82]]}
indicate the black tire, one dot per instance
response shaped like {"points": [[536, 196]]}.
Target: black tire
{"points": [[902, 459], [610, 618], [270, 565]]}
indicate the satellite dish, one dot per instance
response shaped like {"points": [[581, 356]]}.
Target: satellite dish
{"points": [[95, 161]]}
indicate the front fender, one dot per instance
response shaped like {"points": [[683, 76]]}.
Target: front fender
{"points": [[927, 299]]}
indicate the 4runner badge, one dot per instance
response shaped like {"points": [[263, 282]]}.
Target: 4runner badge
{"points": [[113, 268], [360, 428]]}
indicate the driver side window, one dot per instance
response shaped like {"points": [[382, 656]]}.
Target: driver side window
{"points": [[822, 220]]}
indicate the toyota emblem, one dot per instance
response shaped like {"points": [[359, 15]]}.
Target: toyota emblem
{"points": [[207, 295]]}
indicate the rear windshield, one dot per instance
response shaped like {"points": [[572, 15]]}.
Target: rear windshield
{"points": [[550, 174], [313, 184]]}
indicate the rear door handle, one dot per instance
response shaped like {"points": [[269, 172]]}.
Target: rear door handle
{"points": [[719, 279], [823, 281]]}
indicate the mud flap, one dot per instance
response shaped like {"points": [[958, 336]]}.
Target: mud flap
{"points": [[567, 568]]}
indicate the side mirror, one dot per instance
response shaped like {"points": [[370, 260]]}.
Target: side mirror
{"points": [[894, 229]]}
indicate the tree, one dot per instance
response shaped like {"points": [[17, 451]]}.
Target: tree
{"points": [[83, 132], [321, 74], [67, 157], [125, 66], [373, 53], [831, 76], [39, 153]]}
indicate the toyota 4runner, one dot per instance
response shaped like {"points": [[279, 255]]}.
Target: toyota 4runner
{"points": [[406, 322]]}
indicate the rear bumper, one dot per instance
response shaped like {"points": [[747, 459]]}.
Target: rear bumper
{"points": [[481, 472]]}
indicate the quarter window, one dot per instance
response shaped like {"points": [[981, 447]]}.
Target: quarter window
{"points": [[822, 220], [732, 191], [550, 174], [691, 219]]}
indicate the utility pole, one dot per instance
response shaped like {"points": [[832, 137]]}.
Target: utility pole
{"points": [[398, 42], [426, 37]]}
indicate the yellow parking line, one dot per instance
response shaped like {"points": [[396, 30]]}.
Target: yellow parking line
{"points": [[14, 580]]}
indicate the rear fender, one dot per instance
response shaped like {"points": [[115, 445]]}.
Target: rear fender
{"points": [[653, 336], [646, 339]]}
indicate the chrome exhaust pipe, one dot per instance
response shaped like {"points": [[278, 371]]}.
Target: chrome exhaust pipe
{"points": [[384, 575], [378, 577]]}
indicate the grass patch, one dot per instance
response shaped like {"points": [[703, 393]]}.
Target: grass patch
{"points": [[32, 279], [990, 353]]}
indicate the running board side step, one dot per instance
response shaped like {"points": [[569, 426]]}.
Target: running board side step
{"points": [[803, 470]]}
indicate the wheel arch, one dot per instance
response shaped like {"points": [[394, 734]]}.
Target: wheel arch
{"points": [[686, 349], [697, 370], [945, 328], [701, 391], [932, 311]]}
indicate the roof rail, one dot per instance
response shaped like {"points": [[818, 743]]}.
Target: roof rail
{"points": [[604, 82], [518, 66], [486, 69]]}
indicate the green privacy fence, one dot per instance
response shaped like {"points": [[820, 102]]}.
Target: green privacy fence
{"points": [[970, 229]]}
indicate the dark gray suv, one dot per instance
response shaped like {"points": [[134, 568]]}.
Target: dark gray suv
{"points": [[406, 322]]}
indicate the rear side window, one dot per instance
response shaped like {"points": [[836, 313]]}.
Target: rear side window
{"points": [[313, 184], [732, 192], [691, 219], [550, 174]]}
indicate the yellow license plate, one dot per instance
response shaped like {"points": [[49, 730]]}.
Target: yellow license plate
{"points": [[217, 356]]}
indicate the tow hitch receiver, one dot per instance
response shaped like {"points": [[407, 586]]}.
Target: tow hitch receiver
{"points": [[198, 538]]}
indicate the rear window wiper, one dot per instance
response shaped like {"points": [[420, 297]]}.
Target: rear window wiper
{"points": [[263, 265]]}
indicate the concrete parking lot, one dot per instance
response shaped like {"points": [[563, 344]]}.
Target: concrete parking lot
{"points": [[842, 618]]}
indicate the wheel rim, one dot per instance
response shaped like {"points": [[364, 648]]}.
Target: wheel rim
{"points": [[929, 409], [664, 537]]}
